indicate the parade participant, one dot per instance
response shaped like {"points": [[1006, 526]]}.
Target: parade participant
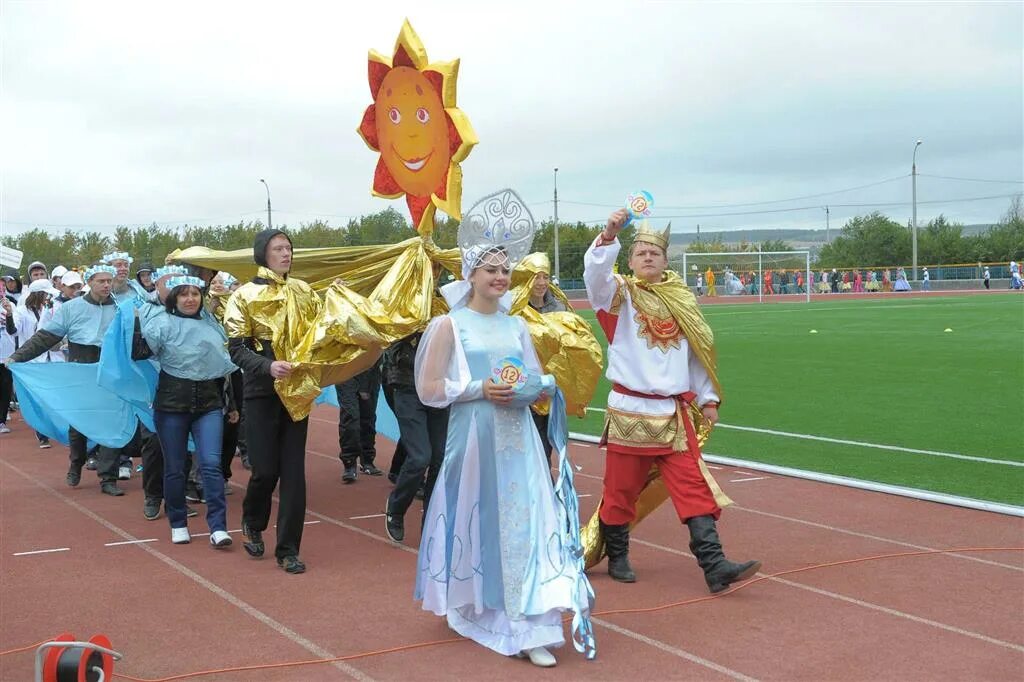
{"points": [[709, 279], [661, 360], [37, 270], [494, 497], [564, 341], [422, 429], [12, 287], [122, 289], [38, 306], [357, 424], [83, 321], [190, 398], [986, 278], [144, 280], [8, 342], [258, 319], [56, 275]]}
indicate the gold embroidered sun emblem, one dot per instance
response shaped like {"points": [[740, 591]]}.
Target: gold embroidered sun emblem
{"points": [[659, 333]]}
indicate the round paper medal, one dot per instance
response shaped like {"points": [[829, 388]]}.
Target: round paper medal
{"points": [[511, 371]]}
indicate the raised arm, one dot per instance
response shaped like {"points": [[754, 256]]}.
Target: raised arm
{"points": [[599, 263]]}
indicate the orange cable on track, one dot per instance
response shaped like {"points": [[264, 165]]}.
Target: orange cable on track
{"points": [[421, 645]]}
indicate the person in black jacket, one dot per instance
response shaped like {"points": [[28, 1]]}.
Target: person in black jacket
{"points": [[189, 344], [256, 316]]}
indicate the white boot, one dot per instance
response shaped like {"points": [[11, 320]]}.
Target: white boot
{"points": [[219, 539], [180, 536], [540, 657]]}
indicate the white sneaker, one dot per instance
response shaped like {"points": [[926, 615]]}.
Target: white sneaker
{"points": [[124, 473], [3, 428], [220, 539], [540, 657], [180, 536]]}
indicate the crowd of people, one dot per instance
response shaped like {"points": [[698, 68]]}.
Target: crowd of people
{"points": [[475, 446]]}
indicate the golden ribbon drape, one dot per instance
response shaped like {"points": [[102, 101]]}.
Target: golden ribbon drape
{"points": [[672, 293], [565, 342], [387, 294]]}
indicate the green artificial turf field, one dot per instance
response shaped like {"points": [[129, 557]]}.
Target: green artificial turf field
{"points": [[877, 371]]}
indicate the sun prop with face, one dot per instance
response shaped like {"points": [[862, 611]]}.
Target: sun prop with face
{"points": [[420, 133]]}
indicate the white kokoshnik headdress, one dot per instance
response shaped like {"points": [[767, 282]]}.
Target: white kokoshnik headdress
{"points": [[497, 230]]}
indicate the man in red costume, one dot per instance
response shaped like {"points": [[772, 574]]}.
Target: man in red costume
{"points": [[661, 360]]}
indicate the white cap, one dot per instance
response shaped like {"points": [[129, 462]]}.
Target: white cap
{"points": [[58, 271], [71, 278], [43, 285]]}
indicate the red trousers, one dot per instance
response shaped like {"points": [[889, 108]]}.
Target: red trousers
{"points": [[625, 475]]}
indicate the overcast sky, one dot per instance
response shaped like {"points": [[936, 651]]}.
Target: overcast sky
{"points": [[171, 112]]}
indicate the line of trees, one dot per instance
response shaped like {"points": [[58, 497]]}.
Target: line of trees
{"points": [[871, 240]]}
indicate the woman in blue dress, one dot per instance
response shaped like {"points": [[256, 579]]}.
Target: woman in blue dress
{"points": [[495, 558]]}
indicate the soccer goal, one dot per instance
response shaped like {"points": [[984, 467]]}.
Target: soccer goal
{"points": [[766, 275]]}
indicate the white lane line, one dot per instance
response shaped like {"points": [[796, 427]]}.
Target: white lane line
{"points": [[845, 531], [43, 551], [585, 495], [713, 466], [877, 446], [368, 516], [868, 536], [753, 478], [130, 542], [668, 648], [861, 603], [675, 651], [744, 473], [244, 606], [858, 443]]}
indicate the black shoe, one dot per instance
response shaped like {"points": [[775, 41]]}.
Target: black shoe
{"points": [[292, 564], [90, 464], [349, 475], [110, 488], [74, 476], [245, 462], [371, 470], [151, 508], [421, 493], [616, 544], [719, 572], [194, 493], [253, 543], [190, 512], [394, 524]]}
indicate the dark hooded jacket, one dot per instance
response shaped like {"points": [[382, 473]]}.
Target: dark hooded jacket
{"points": [[254, 356]]}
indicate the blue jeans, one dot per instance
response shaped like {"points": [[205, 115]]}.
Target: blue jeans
{"points": [[173, 429]]}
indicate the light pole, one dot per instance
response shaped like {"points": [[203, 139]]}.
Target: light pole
{"points": [[555, 228], [828, 237], [913, 219], [268, 202]]}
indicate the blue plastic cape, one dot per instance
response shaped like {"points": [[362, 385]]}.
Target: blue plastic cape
{"points": [[57, 396], [134, 382]]}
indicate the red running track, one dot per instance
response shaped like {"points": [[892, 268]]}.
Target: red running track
{"points": [[176, 609]]}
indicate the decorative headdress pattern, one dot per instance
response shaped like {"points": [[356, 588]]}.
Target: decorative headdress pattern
{"points": [[185, 281], [118, 255], [97, 269], [645, 233]]}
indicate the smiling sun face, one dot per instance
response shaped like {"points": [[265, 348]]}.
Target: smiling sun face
{"points": [[413, 131], [420, 133]]}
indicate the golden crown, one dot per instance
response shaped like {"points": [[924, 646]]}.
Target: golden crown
{"points": [[645, 233]]}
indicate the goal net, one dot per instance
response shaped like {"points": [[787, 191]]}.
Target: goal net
{"points": [[754, 275]]}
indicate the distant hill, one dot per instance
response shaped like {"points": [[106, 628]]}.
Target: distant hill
{"points": [[795, 237]]}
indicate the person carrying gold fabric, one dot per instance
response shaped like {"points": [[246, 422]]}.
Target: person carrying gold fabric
{"points": [[565, 342], [661, 362], [259, 319]]}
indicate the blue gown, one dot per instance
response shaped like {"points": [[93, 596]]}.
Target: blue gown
{"points": [[494, 557]]}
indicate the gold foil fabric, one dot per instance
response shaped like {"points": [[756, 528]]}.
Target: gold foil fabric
{"points": [[565, 342]]}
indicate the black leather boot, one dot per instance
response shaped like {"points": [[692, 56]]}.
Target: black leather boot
{"points": [[719, 572], [616, 543]]}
